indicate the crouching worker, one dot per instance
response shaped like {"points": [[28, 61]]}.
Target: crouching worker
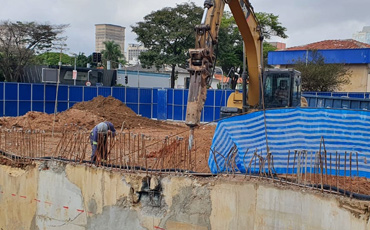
{"points": [[99, 138]]}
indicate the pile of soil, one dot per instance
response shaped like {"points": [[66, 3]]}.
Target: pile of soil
{"points": [[115, 111], [74, 118], [85, 115]]}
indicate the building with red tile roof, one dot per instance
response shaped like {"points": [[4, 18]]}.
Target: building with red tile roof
{"points": [[332, 44], [354, 54]]}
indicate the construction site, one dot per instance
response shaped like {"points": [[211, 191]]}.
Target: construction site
{"points": [[262, 157], [151, 180]]}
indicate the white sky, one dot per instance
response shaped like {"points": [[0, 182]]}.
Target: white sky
{"points": [[307, 21]]}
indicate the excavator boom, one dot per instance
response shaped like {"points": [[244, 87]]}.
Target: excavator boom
{"points": [[202, 58]]}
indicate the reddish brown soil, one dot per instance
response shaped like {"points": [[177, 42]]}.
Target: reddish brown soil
{"points": [[86, 115], [119, 114]]}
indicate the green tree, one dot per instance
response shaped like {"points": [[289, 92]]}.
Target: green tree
{"points": [[52, 58], [20, 41], [168, 34], [320, 76], [112, 52], [271, 25], [230, 47], [82, 60]]}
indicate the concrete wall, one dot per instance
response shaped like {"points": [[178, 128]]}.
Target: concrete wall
{"points": [[59, 196], [358, 79]]}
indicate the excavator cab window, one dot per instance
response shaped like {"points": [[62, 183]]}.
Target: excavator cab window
{"points": [[277, 91], [296, 91]]}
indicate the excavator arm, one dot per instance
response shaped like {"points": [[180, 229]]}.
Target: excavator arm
{"points": [[202, 58]]}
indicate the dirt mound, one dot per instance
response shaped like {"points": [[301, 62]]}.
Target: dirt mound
{"points": [[85, 115], [116, 112], [36, 120]]}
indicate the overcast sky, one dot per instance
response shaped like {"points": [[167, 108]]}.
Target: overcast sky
{"points": [[306, 21]]}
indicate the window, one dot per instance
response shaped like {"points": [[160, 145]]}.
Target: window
{"points": [[81, 76], [277, 90]]}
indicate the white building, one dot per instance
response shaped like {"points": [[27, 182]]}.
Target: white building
{"points": [[133, 53], [141, 79], [363, 36]]}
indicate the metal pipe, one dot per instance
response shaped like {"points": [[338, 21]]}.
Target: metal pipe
{"points": [[205, 12]]}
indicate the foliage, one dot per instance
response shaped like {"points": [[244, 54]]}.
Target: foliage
{"points": [[81, 60], [230, 47], [319, 76], [20, 41], [168, 34], [52, 58], [112, 52], [270, 25]]}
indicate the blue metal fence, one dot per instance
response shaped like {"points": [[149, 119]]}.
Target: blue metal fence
{"points": [[16, 99], [340, 94]]}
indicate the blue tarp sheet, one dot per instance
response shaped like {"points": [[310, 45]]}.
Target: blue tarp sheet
{"points": [[293, 129]]}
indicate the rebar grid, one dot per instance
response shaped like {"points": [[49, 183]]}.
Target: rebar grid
{"points": [[136, 153]]}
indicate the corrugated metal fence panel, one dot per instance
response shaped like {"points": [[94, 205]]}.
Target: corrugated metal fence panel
{"points": [[162, 104], [155, 103], [178, 104], [38, 95], [24, 105], [119, 93], [344, 131], [75, 94], [11, 97], [170, 105], [104, 91], [62, 98], [145, 102], [132, 99], [89, 93], [186, 94], [50, 95]]}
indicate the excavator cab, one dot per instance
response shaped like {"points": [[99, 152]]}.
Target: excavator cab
{"points": [[281, 88]]}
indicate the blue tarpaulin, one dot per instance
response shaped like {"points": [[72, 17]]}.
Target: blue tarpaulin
{"points": [[293, 129]]}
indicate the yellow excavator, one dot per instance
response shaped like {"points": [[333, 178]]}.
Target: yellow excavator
{"points": [[279, 88]]}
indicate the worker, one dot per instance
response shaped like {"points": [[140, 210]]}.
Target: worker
{"points": [[281, 93], [99, 138]]}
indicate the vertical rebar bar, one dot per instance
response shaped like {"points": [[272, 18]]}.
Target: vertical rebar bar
{"points": [[331, 176], [358, 179], [287, 168], [350, 174], [338, 171], [345, 172]]}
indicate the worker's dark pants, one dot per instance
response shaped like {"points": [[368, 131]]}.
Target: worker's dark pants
{"points": [[99, 146]]}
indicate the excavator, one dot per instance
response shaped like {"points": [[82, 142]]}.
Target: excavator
{"points": [[271, 88]]}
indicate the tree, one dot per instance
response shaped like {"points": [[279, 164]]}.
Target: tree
{"points": [[168, 34], [230, 47], [271, 25], [112, 52], [320, 76], [53, 58], [82, 60], [20, 41]]}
